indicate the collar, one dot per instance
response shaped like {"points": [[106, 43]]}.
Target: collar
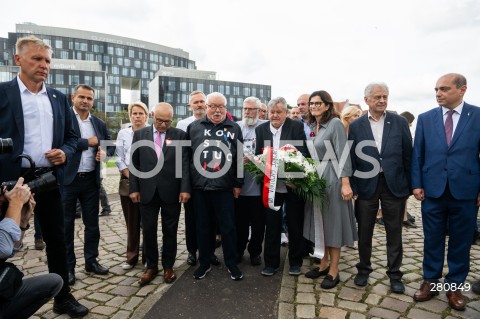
{"points": [[23, 88], [457, 109], [275, 130], [76, 113], [369, 116]]}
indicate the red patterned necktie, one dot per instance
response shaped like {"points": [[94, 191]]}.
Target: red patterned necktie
{"points": [[449, 126]]}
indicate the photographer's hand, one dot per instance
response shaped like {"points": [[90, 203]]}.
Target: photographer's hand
{"points": [[27, 212], [17, 197]]}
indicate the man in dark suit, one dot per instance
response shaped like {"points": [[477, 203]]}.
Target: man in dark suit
{"points": [[82, 181], [278, 131], [445, 177], [381, 158], [159, 179], [37, 119]]}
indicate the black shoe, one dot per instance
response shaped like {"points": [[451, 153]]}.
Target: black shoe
{"points": [[410, 217], [71, 278], [235, 273], [70, 306], [396, 285], [408, 223], [316, 272], [105, 212], [255, 260], [192, 259], [214, 261], [379, 221], [329, 283], [218, 243], [361, 280], [202, 271], [96, 268]]}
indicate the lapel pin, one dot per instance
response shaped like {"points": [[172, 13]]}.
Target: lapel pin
{"points": [[54, 96]]}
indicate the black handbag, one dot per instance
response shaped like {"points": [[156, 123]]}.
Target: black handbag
{"points": [[10, 281]]}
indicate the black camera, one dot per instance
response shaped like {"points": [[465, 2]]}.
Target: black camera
{"points": [[6, 145], [44, 182]]}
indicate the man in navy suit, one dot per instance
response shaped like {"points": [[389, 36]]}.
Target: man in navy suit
{"points": [[82, 181], [381, 156], [163, 190], [446, 178], [37, 119]]}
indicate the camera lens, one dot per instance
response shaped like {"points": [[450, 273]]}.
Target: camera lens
{"points": [[6, 145]]}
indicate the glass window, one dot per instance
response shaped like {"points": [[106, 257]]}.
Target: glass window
{"points": [[131, 53], [137, 64], [98, 80], [210, 88], [64, 54], [145, 65], [127, 62], [236, 90], [115, 70], [89, 56], [167, 60], [183, 86], [74, 79], [59, 79], [120, 61], [168, 97], [79, 56], [254, 92], [145, 74], [239, 101], [185, 98], [190, 87], [47, 41], [200, 87], [246, 91], [125, 71], [231, 101], [106, 59], [227, 89], [58, 44], [87, 79], [119, 51], [180, 110], [171, 85], [98, 57], [110, 50], [133, 72], [261, 92]]}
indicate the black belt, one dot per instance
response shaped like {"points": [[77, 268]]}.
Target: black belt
{"points": [[85, 174]]}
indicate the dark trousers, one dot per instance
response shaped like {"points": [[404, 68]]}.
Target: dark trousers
{"points": [[460, 216], [190, 229], [211, 206], [85, 189], [249, 211], [49, 211], [33, 294], [170, 214], [273, 220], [366, 211], [131, 212]]}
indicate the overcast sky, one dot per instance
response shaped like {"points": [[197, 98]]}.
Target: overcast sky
{"points": [[295, 46]]}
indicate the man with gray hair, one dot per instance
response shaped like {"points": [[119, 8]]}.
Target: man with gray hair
{"points": [[381, 168], [215, 182], [249, 210]]}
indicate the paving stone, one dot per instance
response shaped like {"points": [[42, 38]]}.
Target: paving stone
{"points": [[287, 294], [355, 306], [355, 315], [332, 313], [384, 313], [373, 299], [104, 310], [433, 305], [327, 299], [124, 291], [117, 302], [394, 304], [100, 297], [351, 294], [121, 315], [305, 311], [132, 303], [304, 288], [146, 290], [306, 298], [416, 313], [286, 310]]}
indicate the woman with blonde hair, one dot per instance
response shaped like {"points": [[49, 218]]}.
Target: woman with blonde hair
{"points": [[349, 114], [138, 113]]}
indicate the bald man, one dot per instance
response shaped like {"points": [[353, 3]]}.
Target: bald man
{"points": [[165, 189]]}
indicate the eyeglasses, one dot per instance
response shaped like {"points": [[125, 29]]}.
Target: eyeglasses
{"points": [[166, 122], [218, 107], [316, 104], [250, 108]]}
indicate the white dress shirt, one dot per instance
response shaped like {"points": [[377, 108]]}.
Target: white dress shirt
{"points": [[38, 125]]}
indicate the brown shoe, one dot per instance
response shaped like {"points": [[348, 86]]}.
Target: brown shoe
{"points": [[148, 276], [455, 300], [425, 292], [169, 275]]}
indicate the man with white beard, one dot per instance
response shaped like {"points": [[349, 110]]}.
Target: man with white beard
{"points": [[249, 210]]}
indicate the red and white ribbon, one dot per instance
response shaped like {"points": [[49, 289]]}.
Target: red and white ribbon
{"points": [[270, 178]]}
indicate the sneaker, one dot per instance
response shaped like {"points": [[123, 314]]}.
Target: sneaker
{"points": [[294, 270], [201, 272], [269, 271], [235, 273], [284, 239], [39, 244], [127, 266]]}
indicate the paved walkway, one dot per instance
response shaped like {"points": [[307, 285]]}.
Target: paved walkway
{"points": [[118, 294]]}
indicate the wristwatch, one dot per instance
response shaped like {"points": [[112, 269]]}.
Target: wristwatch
{"points": [[25, 228]]}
